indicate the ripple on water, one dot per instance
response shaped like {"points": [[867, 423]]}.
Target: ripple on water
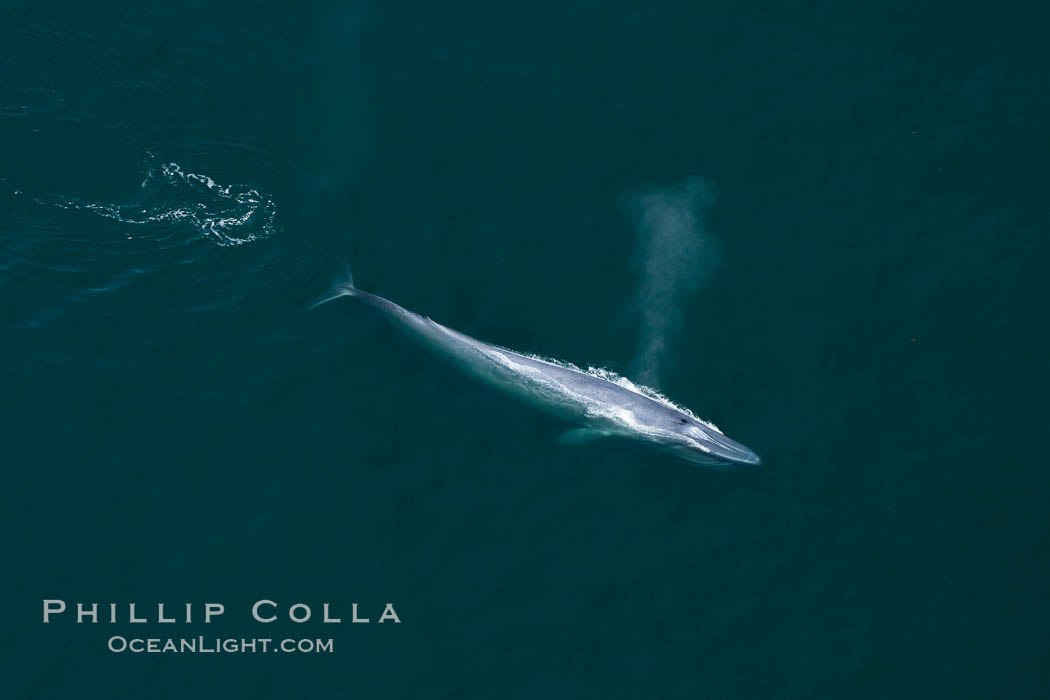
{"points": [[171, 199], [171, 237]]}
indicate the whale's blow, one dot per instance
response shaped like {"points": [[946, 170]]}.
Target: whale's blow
{"points": [[676, 254]]}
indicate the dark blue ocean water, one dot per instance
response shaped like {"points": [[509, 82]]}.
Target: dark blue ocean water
{"points": [[863, 306]]}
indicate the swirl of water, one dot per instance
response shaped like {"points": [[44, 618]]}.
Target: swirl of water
{"points": [[169, 196]]}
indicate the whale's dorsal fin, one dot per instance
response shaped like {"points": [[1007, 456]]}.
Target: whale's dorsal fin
{"points": [[579, 436]]}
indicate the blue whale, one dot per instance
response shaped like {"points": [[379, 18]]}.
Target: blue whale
{"points": [[602, 404]]}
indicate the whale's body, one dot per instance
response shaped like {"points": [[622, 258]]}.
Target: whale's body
{"points": [[602, 406]]}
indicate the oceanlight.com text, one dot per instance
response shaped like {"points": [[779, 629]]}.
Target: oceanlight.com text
{"points": [[218, 645]]}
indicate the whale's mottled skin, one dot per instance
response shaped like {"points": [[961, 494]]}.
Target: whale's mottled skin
{"points": [[602, 407]]}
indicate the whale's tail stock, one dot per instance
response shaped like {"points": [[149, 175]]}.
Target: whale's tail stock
{"points": [[342, 286]]}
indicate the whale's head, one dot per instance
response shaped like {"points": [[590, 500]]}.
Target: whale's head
{"points": [[702, 443]]}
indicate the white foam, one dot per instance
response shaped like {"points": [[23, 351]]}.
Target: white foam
{"points": [[224, 214], [621, 381]]}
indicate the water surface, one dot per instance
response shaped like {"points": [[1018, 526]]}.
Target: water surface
{"points": [[178, 182]]}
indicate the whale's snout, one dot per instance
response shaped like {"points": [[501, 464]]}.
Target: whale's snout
{"points": [[735, 454], [748, 458], [725, 450]]}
